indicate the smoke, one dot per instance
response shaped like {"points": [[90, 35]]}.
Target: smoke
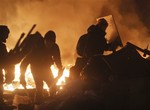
{"points": [[70, 19]]}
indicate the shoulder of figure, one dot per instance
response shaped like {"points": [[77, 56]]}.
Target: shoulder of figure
{"points": [[91, 28], [55, 46], [83, 36]]}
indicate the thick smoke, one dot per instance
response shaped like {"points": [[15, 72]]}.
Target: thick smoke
{"points": [[70, 19]]}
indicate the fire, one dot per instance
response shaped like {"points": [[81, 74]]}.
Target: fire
{"points": [[29, 78]]}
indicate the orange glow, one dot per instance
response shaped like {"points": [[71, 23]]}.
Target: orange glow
{"points": [[29, 79]]}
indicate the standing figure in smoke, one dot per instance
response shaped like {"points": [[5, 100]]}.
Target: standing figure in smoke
{"points": [[36, 61], [96, 42], [52, 56], [90, 44], [5, 59], [4, 32], [42, 55]]}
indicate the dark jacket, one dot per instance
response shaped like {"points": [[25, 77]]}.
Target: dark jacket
{"points": [[42, 57], [54, 54], [96, 43], [3, 55]]}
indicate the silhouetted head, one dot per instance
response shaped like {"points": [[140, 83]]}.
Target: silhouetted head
{"points": [[4, 32], [50, 38], [33, 41], [102, 23], [37, 40]]}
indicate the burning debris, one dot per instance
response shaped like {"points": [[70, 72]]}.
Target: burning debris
{"points": [[21, 52], [115, 81], [16, 95]]}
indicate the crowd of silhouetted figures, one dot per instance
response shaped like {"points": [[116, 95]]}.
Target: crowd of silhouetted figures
{"points": [[117, 81]]}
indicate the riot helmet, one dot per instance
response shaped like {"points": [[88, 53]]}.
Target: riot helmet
{"points": [[4, 32]]}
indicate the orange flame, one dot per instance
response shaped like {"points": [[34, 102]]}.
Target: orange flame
{"points": [[29, 78]]}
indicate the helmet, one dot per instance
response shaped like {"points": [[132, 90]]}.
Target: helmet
{"points": [[102, 22], [50, 35], [4, 28], [4, 31]]}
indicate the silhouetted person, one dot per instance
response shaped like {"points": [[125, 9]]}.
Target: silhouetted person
{"points": [[36, 59], [96, 42], [30, 43], [43, 54], [53, 55], [4, 59], [4, 32], [90, 44]]}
